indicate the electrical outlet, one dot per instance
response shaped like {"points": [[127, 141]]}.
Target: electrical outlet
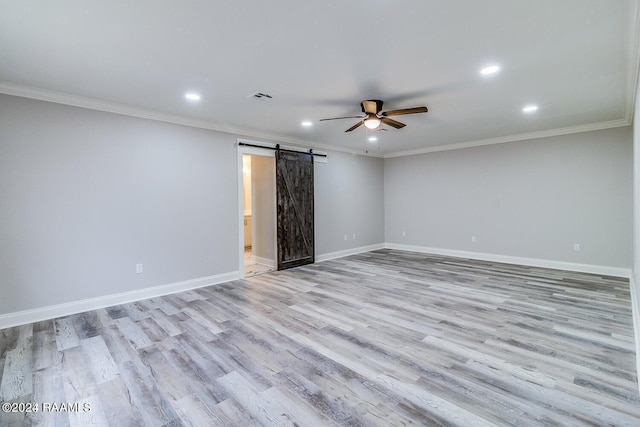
{"points": [[404, 234], [354, 236], [346, 237], [473, 239], [576, 247], [138, 268]]}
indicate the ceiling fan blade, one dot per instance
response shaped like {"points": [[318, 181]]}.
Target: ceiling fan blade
{"points": [[405, 111], [371, 106], [391, 122], [357, 125], [338, 118]]}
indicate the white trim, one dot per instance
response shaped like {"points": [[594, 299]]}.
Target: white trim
{"points": [[74, 307], [112, 107], [264, 261], [507, 259], [252, 151], [347, 252], [632, 52], [255, 151], [513, 138], [635, 312], [240, 181]]}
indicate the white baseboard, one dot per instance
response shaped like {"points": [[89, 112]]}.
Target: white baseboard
{"points": [[74, 307], [347, 252], [531, 262], [635, 307], [264, 261]]}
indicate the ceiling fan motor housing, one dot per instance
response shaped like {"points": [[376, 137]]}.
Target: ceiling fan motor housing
{"points": [[378, 105]]}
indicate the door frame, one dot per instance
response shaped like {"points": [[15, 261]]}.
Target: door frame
{"points": [[252, 151], [268, 151]]}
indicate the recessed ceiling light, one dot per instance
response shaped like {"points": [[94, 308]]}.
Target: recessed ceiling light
{"points": [[306, 123], [492, 69], [530, 109], [192, 96], [373, 138]]}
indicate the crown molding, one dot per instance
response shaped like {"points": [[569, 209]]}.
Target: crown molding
{"points": [[126, 110], [116, 108], [513, 138]]}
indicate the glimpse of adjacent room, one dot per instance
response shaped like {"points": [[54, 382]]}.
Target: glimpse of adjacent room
{"points": [[258, 179]]}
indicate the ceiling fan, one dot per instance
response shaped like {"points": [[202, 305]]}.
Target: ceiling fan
{"points": [[374, 116]]}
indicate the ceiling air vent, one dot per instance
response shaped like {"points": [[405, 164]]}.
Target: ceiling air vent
{"points": [[260, 96]]}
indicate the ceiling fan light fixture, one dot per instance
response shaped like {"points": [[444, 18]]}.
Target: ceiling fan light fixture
{"points": [[372, 123]]}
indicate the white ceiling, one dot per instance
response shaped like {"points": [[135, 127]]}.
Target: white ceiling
{"points": [[576, 59]]}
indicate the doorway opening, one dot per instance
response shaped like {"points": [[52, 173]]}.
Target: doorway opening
{"points": [[275, 206], [259, 214]]}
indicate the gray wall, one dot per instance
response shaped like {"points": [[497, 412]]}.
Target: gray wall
{"points": [[531, 199], [87, 195], [263, 192], [349, 200]]}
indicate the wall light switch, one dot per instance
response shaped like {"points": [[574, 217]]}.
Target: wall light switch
{"points": [[138, 268], [354, 236], [346, 237], [404, 234], [576, 247], [473, 239]]}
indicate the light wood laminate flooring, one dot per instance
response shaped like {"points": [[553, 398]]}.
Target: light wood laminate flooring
{"points": [[252, 267], [385, 338]]}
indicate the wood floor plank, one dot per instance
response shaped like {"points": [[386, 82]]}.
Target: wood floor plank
{"points": [[194, 413], [17, 377], [95, 417], [66, 335], [232, 410], [143, 392], [86, 324], [261, 406], [117, 406], [99, 359], [45, 352], [134, 333], [77, 374], [48, 387]]}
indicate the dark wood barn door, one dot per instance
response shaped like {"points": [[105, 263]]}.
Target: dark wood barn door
{"points": [[294, 194]]}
